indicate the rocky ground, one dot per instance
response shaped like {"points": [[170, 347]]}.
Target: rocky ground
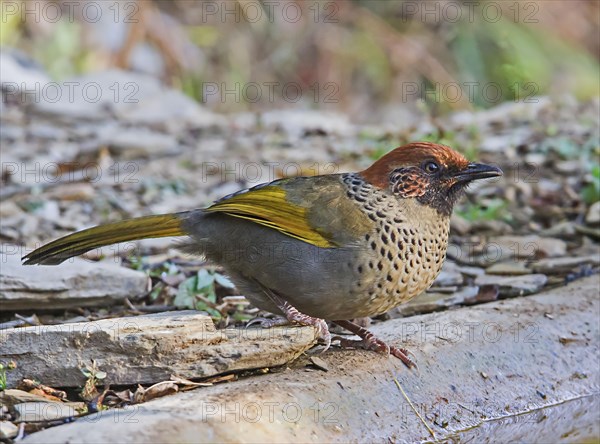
{"points": [[142, 149]]}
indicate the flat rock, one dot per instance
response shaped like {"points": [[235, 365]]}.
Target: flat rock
{"points": [[473, 256], [486, 293], [561, 229], [499, 113], [495, 372], [44, 411], [132, 143], [508, 268], [11, 133], [147, 349], [459, 224], [72, 191], [8, 430], [550, 247], [428, 302], [449, 276], [11, 397], [471, 271], [512, 286], [96, 96], [568, 167], [594, 233], [74, 283], [170, 111], [299, 122], [527, 247], [46, 132], [506, 249], [563, 264], [19, 72], [593, 215], [9, 208], [495, 227]]}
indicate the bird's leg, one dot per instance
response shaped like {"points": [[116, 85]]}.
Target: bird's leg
{"points": [[370, 342], [295, 317]]}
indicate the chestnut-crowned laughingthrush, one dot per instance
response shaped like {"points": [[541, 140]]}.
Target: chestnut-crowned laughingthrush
{"points": [[333, 247]]}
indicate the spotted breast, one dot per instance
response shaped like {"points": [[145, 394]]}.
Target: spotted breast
{"points": [[404, 252]]}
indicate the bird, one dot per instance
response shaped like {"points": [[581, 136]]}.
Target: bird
{"points": [[314, 249]]}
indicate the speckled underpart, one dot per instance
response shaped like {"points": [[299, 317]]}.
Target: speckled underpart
{"points": [[405, 251]]}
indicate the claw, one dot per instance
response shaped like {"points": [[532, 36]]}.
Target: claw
{"points": [[370, 342], [268, 322], [324, 334], [292, 315]]}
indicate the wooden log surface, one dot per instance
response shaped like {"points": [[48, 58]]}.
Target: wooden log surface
{"points": [[523, 369], [146, 349]]}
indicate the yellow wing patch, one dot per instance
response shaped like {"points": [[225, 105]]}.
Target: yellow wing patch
{"points": [[268, 206]]}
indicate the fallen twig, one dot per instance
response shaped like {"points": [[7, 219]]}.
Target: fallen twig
{"points": [[413, 407]]}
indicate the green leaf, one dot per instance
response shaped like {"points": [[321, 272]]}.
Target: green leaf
{"points": [[493, 209], [204, 279], [241, 316], [155, 292], [186, 291], [591, 192], [203, 306], [223, 281], [215, 314]]}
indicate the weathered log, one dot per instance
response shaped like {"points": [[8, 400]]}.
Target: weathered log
{"points": [[523, 369], [146, 349]]}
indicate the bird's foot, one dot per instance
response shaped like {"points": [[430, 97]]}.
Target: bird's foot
{"points": [[296, 317], [371, 342], [292, 315]]}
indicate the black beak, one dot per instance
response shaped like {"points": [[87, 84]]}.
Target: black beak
{"points": [[475, 171]]}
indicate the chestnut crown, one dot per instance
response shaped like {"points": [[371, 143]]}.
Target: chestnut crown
{"points": [[434, 174]]}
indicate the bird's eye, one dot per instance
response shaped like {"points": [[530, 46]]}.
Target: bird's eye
{"points": [[431, 167]]}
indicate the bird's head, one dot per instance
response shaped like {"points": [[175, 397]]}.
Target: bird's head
{"points": [[434, 174]]}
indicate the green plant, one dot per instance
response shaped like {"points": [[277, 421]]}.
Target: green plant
{"points": [[493, 209], [64, 54], [564, 146], [199, 292], [4, 368], [93, 375], [591, 192]]}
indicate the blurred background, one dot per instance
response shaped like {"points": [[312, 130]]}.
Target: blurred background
{"points": [[117, 109], [369, 59]]}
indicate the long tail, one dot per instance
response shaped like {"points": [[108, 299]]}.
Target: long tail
{"points": [[55, 252]]}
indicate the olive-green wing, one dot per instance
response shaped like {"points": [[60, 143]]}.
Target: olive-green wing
{"points": [[313, 209]]}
